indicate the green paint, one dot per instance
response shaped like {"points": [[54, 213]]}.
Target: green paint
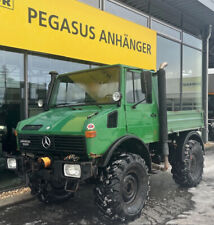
{"points": [[74, 125]]}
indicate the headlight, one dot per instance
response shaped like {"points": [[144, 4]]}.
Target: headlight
{"points": [[72, 170], [11, 163]]}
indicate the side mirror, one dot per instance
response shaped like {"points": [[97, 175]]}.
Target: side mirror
{"points": [[40, 103]]}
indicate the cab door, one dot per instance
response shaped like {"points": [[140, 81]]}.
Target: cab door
{"points": [[141, 112]]}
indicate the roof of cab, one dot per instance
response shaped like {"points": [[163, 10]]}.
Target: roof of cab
{"points": [[102, 67]]}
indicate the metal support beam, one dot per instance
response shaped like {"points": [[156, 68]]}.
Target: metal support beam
{"points": [[205, 59], [25, 86], [101, 6]]}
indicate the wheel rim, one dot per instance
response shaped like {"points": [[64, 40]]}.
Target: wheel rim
{"points": [[130, 188], [194, 169], [193, 164]]}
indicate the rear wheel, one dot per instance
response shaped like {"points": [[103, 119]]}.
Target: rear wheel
{"points": [[188, 173], [211, 132], [123, 188]]}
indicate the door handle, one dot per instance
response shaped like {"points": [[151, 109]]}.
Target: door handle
{"points": [[153, 115]]}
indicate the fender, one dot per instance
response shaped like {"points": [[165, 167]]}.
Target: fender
{"points": [[144, 153]]}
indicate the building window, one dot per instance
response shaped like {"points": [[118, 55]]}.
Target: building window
{"points": [[192, 41], [125, 13], [11, 72], [94, 3], [11, 95], [11, 110], [39, 78], [169, 51], [192, 79], [166, 30]]}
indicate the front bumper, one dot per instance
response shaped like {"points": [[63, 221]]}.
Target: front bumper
{"points": [[29, 166]]}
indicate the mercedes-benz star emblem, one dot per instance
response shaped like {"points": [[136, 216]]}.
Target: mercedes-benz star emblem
{"points": [[46, 142]]}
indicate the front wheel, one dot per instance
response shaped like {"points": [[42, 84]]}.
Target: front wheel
{"points": [[188, 173], [123, 188], [50, 192]]}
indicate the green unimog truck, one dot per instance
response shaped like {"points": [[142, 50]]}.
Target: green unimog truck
{"points": [[109, 124]]}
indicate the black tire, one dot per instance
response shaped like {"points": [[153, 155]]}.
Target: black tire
{"points": [[51, 192], [188, 173], [211, 132], [91, 180], [123, 188]]}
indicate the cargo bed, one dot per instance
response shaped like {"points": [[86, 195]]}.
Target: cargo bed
{"points": [[184, 120]]}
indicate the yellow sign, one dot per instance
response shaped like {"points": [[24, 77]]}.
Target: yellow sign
{"points": [[73, 29]]}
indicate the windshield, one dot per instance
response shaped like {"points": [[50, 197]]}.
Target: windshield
{"points": [[88, 87]]}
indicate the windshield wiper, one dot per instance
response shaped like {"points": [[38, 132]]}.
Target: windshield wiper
{"points": [[91, 115], [75, 104], [66, 104], [134, 106], [62, 105]]}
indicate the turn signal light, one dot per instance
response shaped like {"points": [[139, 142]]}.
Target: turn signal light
{"points": [[15, 133], [90, 134]]}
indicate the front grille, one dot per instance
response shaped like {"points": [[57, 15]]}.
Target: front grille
{"points": [[73, 144]]}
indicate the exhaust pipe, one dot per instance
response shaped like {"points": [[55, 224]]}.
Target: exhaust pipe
{"points": [[163, 126], [51, 85]]}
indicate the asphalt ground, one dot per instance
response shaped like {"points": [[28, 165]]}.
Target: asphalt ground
{"points": [[168, 204], [166, 201]]}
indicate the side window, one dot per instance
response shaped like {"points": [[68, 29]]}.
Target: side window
{"points": [[138, 87], [139, 92], [129, 88]]}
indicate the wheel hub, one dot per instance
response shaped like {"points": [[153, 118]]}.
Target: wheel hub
{"points": [[193, 164], [194, 169], [130, 187]]}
